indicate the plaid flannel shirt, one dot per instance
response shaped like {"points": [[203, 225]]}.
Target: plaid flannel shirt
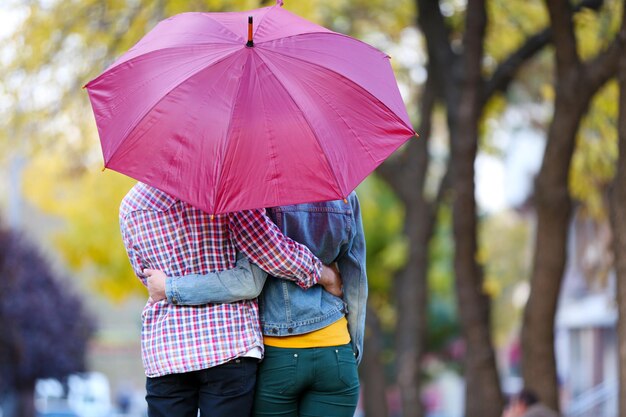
{"points": [[162, 232]]}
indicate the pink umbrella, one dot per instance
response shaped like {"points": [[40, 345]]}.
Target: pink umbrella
{"points": [[291, 113]]}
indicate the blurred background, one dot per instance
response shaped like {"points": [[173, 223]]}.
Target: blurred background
{"points": [[495, 240]]}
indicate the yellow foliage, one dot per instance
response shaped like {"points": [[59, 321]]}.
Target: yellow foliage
{"points": [[492, 287], [86, 203], [595, 30], [383, 220], [492, 110], [593, 163], [547, 91], [510, 23], [506, 254], [481, 256]]}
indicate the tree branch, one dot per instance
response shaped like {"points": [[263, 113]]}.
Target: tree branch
{"points": [[473, 39], [563, 37], [603, 67], [437, 35], [505, 73], [471, 85], [442, 192]]}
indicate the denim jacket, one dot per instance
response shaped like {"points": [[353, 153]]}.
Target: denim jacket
{"points": [[334, 233]]}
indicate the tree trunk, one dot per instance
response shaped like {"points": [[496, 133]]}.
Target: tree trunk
{"points": [[411, 294], [410, 284], [617, 202], [372, 370], [618, 222], [459, 83], [407, 177], [576, 84], [482, 393], [483, 396], [554, 208]]}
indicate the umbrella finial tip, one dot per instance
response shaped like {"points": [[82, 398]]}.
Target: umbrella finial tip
{"points": [[279, 3], [345, 200], [212, 216], [250, 42]]}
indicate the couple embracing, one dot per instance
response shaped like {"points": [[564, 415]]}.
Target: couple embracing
{"points": [[247, 312]]}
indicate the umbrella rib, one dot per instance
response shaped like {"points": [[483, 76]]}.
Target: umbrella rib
{"points": [[258, 24], [208, 16], [330, 166], [356, 136], [348, 80], [115, 65], [330, 32], [143, 116], [273, 147], [227, 141]]}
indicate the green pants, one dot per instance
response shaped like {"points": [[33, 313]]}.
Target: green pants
{"points": [[312, 382]]}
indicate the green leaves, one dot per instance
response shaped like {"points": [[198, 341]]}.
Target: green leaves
{"points": [[383, 221]]}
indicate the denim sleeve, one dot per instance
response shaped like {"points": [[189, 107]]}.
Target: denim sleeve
{"points": [[352, 269], [243, 282]]}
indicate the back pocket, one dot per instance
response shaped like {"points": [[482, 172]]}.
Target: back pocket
{"points": [[346, 366], [278, 370]]}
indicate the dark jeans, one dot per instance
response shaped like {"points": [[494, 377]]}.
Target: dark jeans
{"points": [[311, 382], [226, 390]]}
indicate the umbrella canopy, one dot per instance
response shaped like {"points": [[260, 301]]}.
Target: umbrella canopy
{"points": [[227, 118]]}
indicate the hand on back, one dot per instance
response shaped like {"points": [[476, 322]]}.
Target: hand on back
{"points": [[155, 280], [331, 280]]}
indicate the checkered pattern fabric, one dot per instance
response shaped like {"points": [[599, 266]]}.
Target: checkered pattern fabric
{"points": [[161, 232]]}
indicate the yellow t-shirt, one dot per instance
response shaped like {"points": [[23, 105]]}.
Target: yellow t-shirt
{"points": [[335, 334]]}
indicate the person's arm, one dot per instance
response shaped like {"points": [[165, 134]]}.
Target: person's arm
{"points": [[263, 243], [352, 269], [243, 282]]}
